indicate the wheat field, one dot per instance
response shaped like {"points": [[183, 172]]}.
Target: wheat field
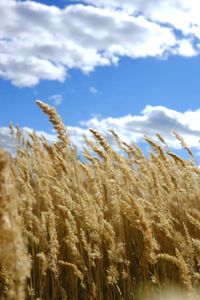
{"points": [[114, 225]]}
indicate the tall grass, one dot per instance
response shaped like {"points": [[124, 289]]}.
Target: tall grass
{"points": [[116, 225]]}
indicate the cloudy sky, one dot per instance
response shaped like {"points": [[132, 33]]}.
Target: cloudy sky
{"points": [[129, 65]]}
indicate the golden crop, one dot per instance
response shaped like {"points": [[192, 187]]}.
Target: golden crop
{"points": [[116, 225]]}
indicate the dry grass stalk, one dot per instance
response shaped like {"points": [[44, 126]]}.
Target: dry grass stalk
{"points": [[14, 262], [108, 227]]}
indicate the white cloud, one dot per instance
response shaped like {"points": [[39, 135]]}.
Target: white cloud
{"points": [[181, 14], [185, 49], [39, 41], [132, 128], [153, 119], [93, 90], [9, 144], [57, 99], [5, 140]]}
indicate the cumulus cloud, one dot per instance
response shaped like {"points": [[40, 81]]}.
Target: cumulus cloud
{"points": [[152, 120], [56, 99], [39, 41], [9, 144], [132, 128], [5, 140], [181, 14]]}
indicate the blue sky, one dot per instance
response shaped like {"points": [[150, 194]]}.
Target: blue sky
{"points": [[121, 90], [102, 66]]}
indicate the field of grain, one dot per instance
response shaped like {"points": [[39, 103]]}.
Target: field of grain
{"points": [[114, 225]]}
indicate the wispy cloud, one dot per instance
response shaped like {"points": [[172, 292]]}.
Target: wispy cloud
{"points": [[30, 52], [93, 90], [56, 99]]}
